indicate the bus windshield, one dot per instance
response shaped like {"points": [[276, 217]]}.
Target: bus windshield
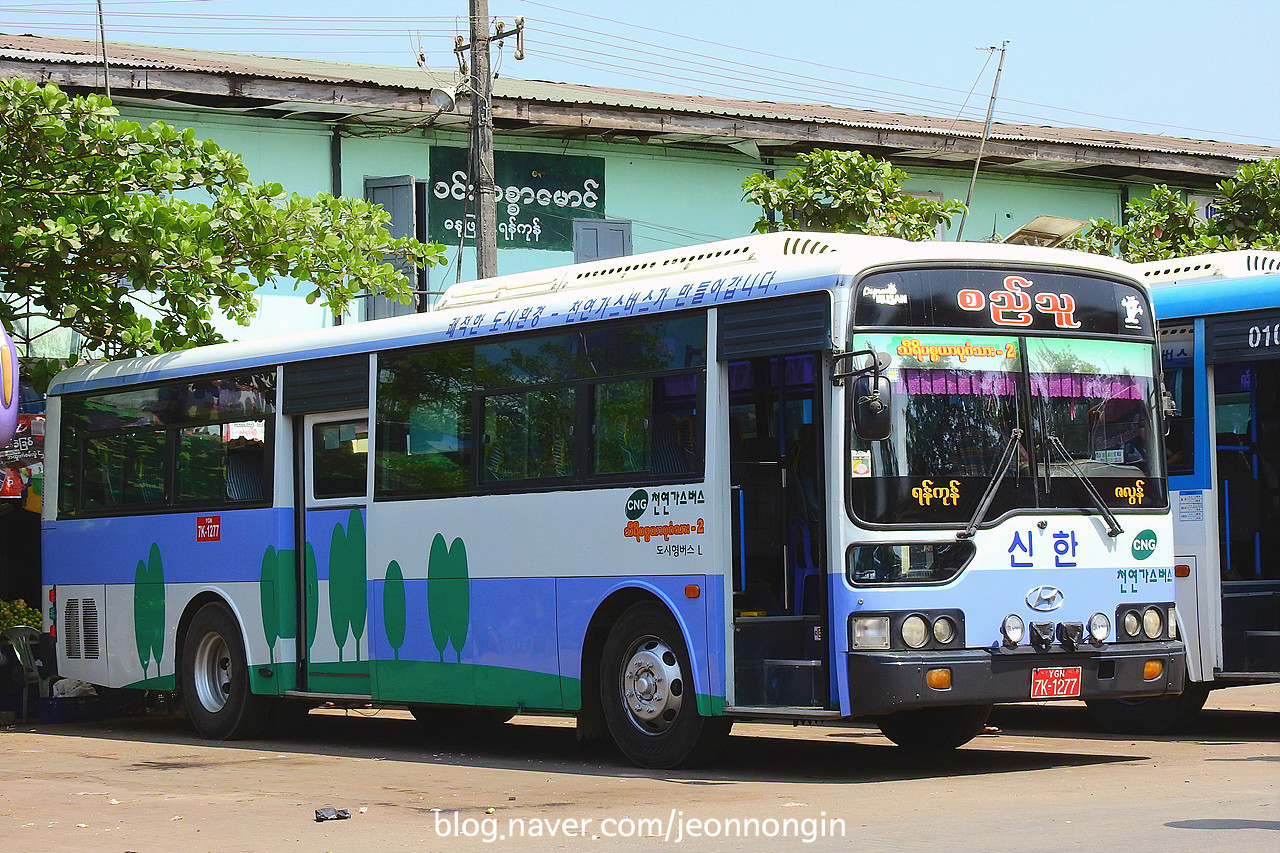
{"points": [[1072, 407]]}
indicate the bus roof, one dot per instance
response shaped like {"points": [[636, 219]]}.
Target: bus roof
{"points": [[1220, 283], [706, 275]]}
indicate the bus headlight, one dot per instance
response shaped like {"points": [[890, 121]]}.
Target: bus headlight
{"points": [[869, 632], [1173, 623], [915, 631], [1132, 623], [1152, 623], [1099, 627], [944, 630], [1013, 630]]}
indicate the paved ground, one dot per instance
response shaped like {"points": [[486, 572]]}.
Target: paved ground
{"points": [[1049, 781]]}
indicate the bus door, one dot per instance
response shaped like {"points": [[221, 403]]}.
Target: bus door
{"points": [[1247, 411], [779, 559], [332, 466]]}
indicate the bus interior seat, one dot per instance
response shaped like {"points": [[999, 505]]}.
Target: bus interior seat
{"points": [[493, 461], [803, 565], [668, 457], [244, 476]]}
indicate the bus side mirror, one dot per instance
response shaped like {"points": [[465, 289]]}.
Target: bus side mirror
{"points": [[872, 409]]}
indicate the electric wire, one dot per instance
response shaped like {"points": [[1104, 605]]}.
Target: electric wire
{"points": [[677, 63]]}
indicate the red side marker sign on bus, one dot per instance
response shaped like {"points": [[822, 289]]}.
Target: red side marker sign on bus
{"points": [[208, 528]]}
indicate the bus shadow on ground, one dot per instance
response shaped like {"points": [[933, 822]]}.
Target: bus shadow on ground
{"points": [[1210, 725], [848, 755]]}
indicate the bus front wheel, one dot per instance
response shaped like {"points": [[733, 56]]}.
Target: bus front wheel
{"points": [[646, 689], [1153, 716], [215, 678], [934, 728]]}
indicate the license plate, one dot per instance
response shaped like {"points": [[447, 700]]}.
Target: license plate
{"points": [[1055, 682]]}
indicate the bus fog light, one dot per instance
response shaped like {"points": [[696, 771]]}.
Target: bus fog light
{"points": [[1152, 623], [915, 631], [1042, 634], [869, 632], [1173, 623], [938, 679], [1152, 669], [944, 630], [1012, 629], [1070, 635], [1132, 623], [1099, 627]]}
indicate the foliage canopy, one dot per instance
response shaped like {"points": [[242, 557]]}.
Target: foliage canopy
{"points": [[133, 236], [846, 192], [1167, 226]]}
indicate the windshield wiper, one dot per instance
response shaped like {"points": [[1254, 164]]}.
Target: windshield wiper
{"points": [[1002, 467], [1113, 526]]}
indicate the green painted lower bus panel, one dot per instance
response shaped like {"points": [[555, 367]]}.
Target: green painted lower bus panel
{"points": [[473, 684], [159, 682], [346, 678]]}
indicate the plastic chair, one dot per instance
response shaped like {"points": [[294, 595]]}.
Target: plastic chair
{"points": [[801, 560], [24, 640]]}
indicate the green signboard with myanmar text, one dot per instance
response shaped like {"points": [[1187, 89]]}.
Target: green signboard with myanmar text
{"points": [[538, 197]]}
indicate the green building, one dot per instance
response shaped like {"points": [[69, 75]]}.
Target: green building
{"points": [[585, 172]]}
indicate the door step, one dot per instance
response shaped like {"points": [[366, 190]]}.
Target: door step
{"points": [[796, 683], [772, 713]]}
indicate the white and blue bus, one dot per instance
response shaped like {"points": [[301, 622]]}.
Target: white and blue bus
{"points": [[792, 476], [1219, 318]]}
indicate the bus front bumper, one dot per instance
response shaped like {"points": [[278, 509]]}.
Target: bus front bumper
{"points": [[883, 682]]}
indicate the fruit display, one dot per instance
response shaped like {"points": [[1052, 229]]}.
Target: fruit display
{"points": [[18, 613]]}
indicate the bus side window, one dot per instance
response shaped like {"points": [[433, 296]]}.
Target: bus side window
{"points": [[340, 456], [1180, 442]]}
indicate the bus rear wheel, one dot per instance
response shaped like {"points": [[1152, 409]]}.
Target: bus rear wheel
{"points": [[934, 728], [215, 678], [646, 689], [1151, 716]]}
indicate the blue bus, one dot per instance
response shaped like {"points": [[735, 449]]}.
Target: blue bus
{"points": [[1219, 332], [794, 477]]}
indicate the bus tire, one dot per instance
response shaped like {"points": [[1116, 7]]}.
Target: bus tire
{"points": [[646, 689], [934, 729], [1153, 715], [215, 678]]}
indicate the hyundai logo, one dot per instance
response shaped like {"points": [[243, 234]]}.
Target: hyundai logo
{"points": [[1044, 598]]}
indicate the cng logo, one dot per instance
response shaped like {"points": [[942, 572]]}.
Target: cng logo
{"points": [[1144, 544], [637, 504]]}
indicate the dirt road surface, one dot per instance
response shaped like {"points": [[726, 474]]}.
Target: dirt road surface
{"points": [[1050, 780]]}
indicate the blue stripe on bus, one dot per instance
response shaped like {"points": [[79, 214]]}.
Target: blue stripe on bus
{"points": [[108, 550], [1214, 296]]}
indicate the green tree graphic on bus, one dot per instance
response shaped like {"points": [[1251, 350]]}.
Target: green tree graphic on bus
{"points": [[448, 595], [148, 609], [348, 604], [394, 610], [279, 595], [311, 594]]}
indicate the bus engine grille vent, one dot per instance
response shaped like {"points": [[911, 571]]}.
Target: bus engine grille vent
{"points": [[80, 629], [71, 628], [89, 623]]}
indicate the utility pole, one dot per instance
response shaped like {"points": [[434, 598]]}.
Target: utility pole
{"points": [[986, 131], [482, 131], [106, 67]]}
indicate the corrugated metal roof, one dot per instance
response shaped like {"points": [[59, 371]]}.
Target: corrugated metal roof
{"points": [[48, 49]]}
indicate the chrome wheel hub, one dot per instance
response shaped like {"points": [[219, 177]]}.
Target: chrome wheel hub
{"points": [[652, 685], [212, 676]]}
